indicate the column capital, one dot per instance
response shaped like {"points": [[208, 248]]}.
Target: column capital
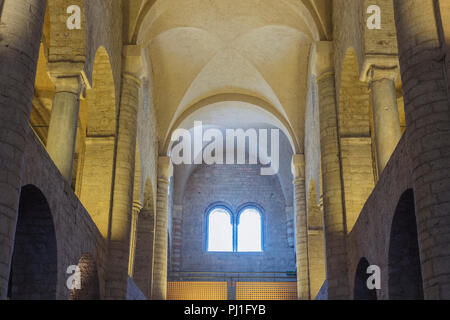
{"points": [[133, 66], [137, 206], [68, 76], [378, 67], [298, 166], [165, 168], [322, 58]]}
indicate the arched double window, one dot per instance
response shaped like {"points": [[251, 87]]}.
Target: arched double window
{"points": [[220, 230], [234, 233]]}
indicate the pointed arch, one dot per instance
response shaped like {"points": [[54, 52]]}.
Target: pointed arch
{"points": [[98, 123]]}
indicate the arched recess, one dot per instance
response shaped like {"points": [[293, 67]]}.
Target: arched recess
{"points": [[405, 274], [355, 139], [33, 273], [361, 290], [89, 289], [316, 242], [98, 129], [143, 261]]}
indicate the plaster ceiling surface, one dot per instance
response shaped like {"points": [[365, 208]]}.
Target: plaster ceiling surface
{"points": [[201, 48]]}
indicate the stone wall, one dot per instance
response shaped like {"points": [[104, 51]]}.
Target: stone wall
{"points": [[371, 234], [76, 233]]}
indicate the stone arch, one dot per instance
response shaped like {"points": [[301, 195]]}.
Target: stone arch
{"points": [[355, 139], [360, 290], [405, 274], [316, 242], [143, 263], [90, 289], [33, 274], [98, 128], [279, 119]]}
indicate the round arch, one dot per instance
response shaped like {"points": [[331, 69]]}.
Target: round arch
{"points": [[33, 274], [278, 120], [405, 273]]}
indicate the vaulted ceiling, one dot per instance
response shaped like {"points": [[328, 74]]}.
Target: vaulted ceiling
{"points": [[252, 52]]}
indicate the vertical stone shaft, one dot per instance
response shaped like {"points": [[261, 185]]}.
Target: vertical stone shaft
{"points": [[143, 265], [425, 80], [386, 119], [20, 36], [301, 227], [137, 207], [120, 225], [334, 219], [159, 291], [62, 132]]}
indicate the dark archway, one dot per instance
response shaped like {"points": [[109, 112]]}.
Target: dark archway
{"points": [[405, 274], [361, 291], [89, 289], [33, 273]]}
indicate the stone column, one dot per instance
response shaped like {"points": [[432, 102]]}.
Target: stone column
{"points": [[122, 202], [144, 257], [62, 133], [301, 227], [137, 207], [20, 36], [385, 112], [334, 215], [427, 107], [159, 291]]}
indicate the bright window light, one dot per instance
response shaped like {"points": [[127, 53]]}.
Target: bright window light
{"points": [[249, 231], [220, 231]]}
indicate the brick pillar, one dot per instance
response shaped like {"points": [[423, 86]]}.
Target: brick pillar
{"points": [[425, 77], [122, 202], [177, 224], [137, 207], [159, 291], [334, 216], [20, 36], [385, 112], [290, 227], [301, 227], [63, 126]]}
